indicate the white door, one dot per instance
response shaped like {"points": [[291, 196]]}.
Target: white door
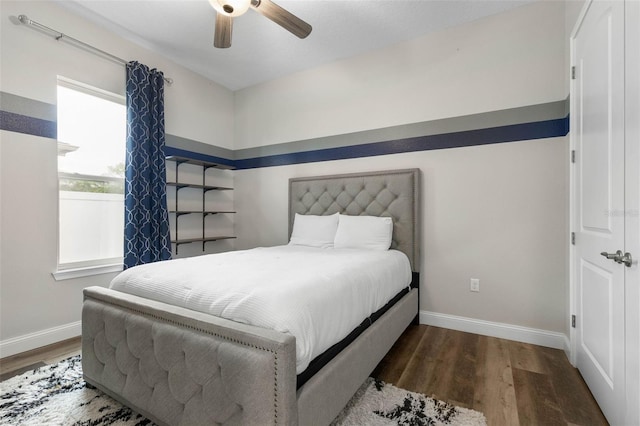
{"points": [[598, 120]]}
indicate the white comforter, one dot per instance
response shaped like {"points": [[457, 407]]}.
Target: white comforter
{"points": [[317, 295]]}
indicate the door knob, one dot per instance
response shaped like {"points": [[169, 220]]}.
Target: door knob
{"points": [[618, 257]]}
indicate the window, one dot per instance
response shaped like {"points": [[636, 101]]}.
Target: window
{"points": [[91, 155]]}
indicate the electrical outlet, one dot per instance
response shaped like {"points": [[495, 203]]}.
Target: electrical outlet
{"points": [[474, 285]]}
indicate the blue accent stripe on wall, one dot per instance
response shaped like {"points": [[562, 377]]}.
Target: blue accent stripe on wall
{"points": [[517, 132], [556, 127], [169, 150], [24, 124]]}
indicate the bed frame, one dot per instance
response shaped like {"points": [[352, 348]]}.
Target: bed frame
{"points": [[181, 367]]}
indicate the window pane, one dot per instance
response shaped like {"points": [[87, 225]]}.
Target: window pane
{"points": [[91, 152]]}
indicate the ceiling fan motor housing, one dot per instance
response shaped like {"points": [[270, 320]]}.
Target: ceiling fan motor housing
{"points": [[231, 8]]}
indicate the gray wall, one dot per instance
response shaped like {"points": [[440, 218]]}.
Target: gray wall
{"points": [[497, 212]]}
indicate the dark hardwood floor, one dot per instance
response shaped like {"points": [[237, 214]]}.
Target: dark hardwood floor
{"points": [[17, 364], [511, 383]]}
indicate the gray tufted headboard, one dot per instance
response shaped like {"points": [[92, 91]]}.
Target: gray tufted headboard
{"points": [[392, 193]]}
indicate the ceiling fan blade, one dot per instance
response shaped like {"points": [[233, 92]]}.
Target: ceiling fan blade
{"points": [[282, 17], [224, 25]]}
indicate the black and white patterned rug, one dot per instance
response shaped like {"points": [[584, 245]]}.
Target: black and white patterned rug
{"points": [[57, 395]]}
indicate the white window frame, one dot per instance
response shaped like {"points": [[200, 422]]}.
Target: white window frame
{"points": [[86, 268]]}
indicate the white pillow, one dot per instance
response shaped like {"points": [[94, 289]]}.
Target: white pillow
{"points": [[366, 232], [314, 231]]}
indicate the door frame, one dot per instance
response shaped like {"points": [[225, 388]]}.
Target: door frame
{"points": [[573, 124], [632, 207]]}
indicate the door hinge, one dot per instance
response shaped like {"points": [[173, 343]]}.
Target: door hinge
{"points": [[573, 155], [573, 72], [573, 238], [573, 321]]}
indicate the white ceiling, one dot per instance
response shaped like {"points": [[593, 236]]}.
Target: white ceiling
{"points": [[182, 30]]}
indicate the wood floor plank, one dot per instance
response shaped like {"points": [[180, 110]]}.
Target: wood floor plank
{"points": [[525, 356], [438, 382], [394, 363], [536, 399], [18, 371], [420, 367], [571, 390], [494, 392], [46, 354], [525, 402], [463, 381]]}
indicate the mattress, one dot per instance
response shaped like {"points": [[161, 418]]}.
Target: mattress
{"points": [[317, 295]]}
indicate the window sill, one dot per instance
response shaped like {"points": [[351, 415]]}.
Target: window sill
{"points": [[68, 274]]}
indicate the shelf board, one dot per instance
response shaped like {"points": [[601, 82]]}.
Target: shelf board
{"points": [[200, 240], [181, 185], [206, 212], [205, 164]]}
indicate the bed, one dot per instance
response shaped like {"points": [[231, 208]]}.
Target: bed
{"points": [[179, 366]]}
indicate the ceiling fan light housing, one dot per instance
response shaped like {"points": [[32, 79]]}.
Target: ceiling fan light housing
{"points": [[231, 8]]}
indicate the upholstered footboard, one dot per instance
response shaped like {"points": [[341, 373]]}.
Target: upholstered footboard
{"points": [[180, 367]]}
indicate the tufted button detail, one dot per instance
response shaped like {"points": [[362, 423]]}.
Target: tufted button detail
{"points": [[178, 380]]}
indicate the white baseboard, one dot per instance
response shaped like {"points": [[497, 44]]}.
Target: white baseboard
{"points": [[567, 346], [38, 339], [534, 336]]}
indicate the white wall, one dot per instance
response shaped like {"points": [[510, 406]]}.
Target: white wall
{"points": [[509, 60], [498, 212], [35, 309]]}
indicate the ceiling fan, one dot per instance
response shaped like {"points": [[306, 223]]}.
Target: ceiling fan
{"points": [[229, 9]]}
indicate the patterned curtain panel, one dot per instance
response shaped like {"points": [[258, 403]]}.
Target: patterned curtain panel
{"points": [[146, 227]]}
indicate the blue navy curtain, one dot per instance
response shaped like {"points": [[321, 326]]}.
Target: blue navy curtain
{"points": [[146, 222]]}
